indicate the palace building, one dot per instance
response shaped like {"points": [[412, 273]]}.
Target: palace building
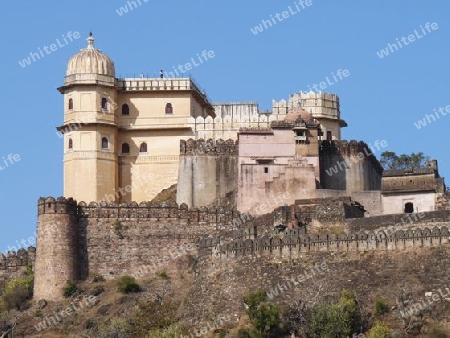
{"points": [[127, 139]]}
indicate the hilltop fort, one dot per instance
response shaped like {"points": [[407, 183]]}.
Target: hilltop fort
{"points": [[127, 139]]}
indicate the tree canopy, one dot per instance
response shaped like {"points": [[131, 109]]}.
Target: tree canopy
{"points": [[390, 160]]}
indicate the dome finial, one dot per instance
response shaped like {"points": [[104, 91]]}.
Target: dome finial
{"points": [[90, 41]]}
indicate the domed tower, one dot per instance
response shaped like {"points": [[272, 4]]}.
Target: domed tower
{"points": [[90, 125], [57, 259]]}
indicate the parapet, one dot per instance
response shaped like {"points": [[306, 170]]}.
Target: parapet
{"points": [[209, 147], [295, 243], [157, 211], [22, 258], [61, 205], [294, 124]]}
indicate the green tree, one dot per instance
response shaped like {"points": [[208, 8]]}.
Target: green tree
{"points": [[339, 319], [390, 160], [264, 316]]}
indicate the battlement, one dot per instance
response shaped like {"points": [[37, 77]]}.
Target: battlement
{"points": [[319, 104], [256, 131], [61, 205], [149, 210], [13, 259], [209, 147], [294, 124], [294, 243], [156, 211]]}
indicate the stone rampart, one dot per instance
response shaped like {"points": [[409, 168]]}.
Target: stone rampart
{"points": [[294, 243], [14, 264]]}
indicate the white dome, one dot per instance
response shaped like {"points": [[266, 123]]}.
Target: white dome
{"points": [[90, 61]]}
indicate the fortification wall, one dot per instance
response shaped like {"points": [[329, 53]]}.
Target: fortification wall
{"points": [[294, 243], [14, 264], [349, 166], [235, 109], [208, 173], [371, 200], [402, 278], [273, 184], [143, 239], [227, 127], [421, 219], [323, 213], [411, 183]]}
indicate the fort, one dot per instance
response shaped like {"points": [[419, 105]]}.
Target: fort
{"points": [[249, 184]]}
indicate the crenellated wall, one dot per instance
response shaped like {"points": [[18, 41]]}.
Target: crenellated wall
{"points": [[295, 243], [75, 241], [14, 264], [208, 173]]}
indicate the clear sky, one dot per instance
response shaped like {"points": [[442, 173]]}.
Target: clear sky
{"points": [[382, 99]]}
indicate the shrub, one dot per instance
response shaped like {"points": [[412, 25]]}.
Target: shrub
{"points": [[127, 284], [379, 330], [381, 307], [17, 291], [168, 332], [338, 319], [16, 296], [117, 329], [244, 333], [264, 316], [154, 316], [70, 289]]}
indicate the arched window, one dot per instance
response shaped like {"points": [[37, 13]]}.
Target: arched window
{"points": [[143, 147], [329, 136], [125, 109], [104, 103], [70, 143], [125, 148], [169, 108], [105, 143], [70, 104], [409, 208]]}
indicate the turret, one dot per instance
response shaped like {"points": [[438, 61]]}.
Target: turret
{"points": [[323, 107], [57, 259]]}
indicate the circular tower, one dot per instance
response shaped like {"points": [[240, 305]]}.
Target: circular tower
{"points": [[90, 128], [57, 258], [325, 108]]}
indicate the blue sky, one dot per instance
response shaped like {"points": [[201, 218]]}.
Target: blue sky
{"points": [[381, 99]]}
